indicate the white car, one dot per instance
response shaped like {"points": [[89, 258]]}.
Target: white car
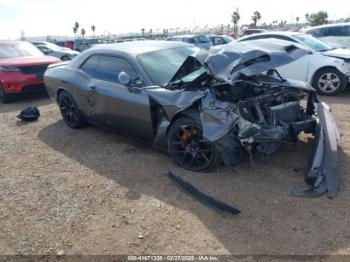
{"points": [[326, 68], [336, 35], [51, 49]]}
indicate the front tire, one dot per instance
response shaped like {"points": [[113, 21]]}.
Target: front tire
{"points": [[188, 148], [70, 111], [329, 82], [4, 97]]}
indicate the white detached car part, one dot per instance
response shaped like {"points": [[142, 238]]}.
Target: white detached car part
{"points": [[327, 69]]}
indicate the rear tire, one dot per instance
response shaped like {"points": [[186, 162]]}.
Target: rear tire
{"points": [[188, 148], [4, 97], [329, 82], [70, 111]]}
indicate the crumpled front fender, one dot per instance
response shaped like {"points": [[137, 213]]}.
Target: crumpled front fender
{"points": [[323, 172]]}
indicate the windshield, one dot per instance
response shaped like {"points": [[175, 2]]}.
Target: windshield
{"points": [[228, 39], [314, 43], [162, 65], [20, 49]]}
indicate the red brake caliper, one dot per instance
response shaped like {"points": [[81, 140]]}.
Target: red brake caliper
{"points": [[184, 138]]}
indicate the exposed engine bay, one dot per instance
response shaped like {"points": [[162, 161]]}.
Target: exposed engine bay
{"points": [[271, 114]]}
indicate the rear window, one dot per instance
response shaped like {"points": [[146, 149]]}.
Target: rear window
{"points": [[20, 49]]}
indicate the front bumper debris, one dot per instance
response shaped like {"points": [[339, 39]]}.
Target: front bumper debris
{"points": [[322, 175]]}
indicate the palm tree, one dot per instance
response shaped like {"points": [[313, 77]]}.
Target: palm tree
{"points": [[75, 31], [83, 32], [93, 28], [143, 31], [256, 17], [75, 28], [76, 25], [297, 19], [235, 19]]}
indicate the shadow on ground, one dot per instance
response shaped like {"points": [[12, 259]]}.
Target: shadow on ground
{"points": [[25, 100], [270, 222]]}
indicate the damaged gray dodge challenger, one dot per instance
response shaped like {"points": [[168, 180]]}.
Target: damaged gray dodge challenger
{"points": [[203, 107]]}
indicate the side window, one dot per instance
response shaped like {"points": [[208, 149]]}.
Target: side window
{"points": [[218, 41], [347, 30], [316, 32], [189, 40], [334, 31], [109, 67], [89, 66]]}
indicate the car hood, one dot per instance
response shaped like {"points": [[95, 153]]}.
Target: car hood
{"points": [[228, 62], [28, 60], [338, 53]]}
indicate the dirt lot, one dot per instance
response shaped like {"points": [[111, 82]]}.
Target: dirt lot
{"points": [[94, 192]]}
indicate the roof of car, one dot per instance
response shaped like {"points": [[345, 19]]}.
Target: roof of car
{"points": [[187, 36], [140, 47], [284, 33], [324, 26]]}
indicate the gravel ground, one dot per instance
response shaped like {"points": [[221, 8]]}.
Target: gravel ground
{"points": [[93, 192]]}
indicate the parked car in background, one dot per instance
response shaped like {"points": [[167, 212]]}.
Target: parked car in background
{"points": [[326, 68], [337, 35], [51, 49], [69, 44], [201, 41], [22, 68], [60, 43], [253, 31], [85, 43], [220, 39]]}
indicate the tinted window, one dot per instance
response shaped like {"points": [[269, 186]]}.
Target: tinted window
{"points": [[187, 40], [336, 31], [316, 32], [201, 39], [108, 68], [89, 66], [219, 41]]}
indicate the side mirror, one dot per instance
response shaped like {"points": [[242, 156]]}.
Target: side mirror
{"points": [[124, 78]]}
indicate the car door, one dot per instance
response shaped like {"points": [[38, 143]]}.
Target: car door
{"points": [[125, 109], [297, 70]]}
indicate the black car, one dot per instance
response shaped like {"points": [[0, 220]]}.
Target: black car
{"points": [[203, 108]]}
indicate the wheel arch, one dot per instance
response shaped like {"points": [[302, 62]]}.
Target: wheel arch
{"points": [[59, 91], [191, 112], [320, 69]]}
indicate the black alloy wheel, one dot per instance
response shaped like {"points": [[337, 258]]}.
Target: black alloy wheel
{"points": [[4, 97], [70, 111], [189, 149]]}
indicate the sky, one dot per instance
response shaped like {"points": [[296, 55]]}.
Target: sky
{"points": [[57, 17]]}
